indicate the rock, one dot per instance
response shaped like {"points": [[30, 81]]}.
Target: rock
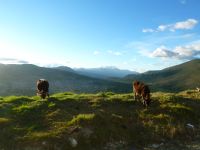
{"points": [[73, 142], [189, 125], [44, 143], [86, 132], [155, 145], [116, 145]]}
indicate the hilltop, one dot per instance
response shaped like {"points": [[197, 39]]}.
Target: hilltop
{"points": [[173, 79], [102, 121]]}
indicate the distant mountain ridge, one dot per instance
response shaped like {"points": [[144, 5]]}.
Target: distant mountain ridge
{"points": [[64, 68], [176, 78], [21, 80], [104, 72]]}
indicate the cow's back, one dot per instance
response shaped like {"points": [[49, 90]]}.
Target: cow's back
{"points": [[146, 89], [43, 85]]}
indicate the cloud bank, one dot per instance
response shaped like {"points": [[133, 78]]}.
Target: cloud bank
{"points": [[186, 52], [12, 61], [182, 25]]}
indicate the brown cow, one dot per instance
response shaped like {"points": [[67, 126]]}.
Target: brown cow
{"points": [[141, 90], [42, 88]]}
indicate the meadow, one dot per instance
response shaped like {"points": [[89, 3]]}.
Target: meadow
{"points": [[102, 121]]}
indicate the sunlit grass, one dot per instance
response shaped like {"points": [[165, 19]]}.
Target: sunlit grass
{"points": [[102, 121], [80, 118]]}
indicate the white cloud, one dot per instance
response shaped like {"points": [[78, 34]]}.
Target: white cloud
{"points": [[147, 30], [96, 52], [188, 51], [51, 65], [114, 53], [182, 25], [185, 52], [188, 24], [4, 60], [163, 52], [162, 27]]}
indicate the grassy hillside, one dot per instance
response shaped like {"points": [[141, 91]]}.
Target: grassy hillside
{"points": [[21, 79], [103, 121], [177, 78]]}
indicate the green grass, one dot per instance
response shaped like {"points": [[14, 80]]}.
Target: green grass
{"points": [[102, 121]]}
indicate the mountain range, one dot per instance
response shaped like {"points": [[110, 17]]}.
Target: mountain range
{"points": [[173, 79], [21, 79], [104, 72]]}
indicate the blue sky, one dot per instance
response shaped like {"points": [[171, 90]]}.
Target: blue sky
{"points": [[138, 35]]}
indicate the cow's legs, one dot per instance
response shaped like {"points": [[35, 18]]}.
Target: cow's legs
{"points": [[47, 94], [144, 101], [135, 96]]}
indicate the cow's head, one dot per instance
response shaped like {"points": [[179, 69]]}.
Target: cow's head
{"points": [[136, 83], [42, 94]]}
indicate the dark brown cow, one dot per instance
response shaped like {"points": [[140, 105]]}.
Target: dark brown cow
{"points": [[42, 88], [141, 90]]}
